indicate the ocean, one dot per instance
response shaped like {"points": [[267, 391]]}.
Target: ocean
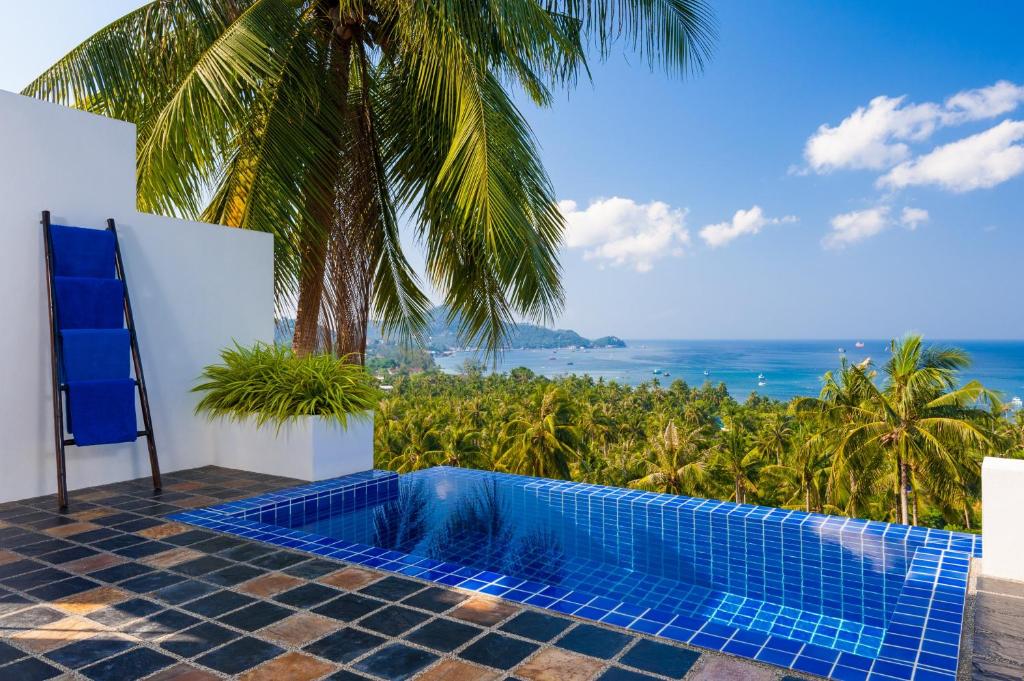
{"points": [[790, 368]]}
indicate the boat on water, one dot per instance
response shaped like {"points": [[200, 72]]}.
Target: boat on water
{"points": [[762, 383], [665, 373], [656, 372], [842, 351], [707, 372], [858, 344], [1016, 403], [760, 377]]}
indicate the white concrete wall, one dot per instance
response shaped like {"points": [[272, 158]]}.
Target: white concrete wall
{"points": [[194, 289], [1002, 489]]}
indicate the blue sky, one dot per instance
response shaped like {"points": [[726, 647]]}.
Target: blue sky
{"points": [[868, 227]]}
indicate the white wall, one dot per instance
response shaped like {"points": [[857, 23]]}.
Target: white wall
{"points": [[1002, 486], [194, 289]]}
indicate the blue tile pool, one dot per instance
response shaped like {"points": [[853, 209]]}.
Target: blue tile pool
{"points": [[838, 597]]}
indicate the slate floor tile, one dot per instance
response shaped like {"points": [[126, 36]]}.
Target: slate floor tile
{"points": [[659, 658], [30, 669], [122, 613], [82, 653], [307, 595], [256, 616], [392, 588], [345, 645], [348, 607], [197, 640], [9, 653], [135, 664], [500, 652], [121, 572], [312, 569], [444, 635], [483, 611], [247, 552], [201, 566], [393, 620], [160, 625], [537, 626], [620, 674], [29, 618], [435, 599], [218, 603], [240, 655], [233, 574], [594, 641], [152, 581], [278, 560], [183, 592], [63, 588], [396, 662]]}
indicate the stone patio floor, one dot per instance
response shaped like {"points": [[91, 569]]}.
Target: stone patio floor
{"points": [[112, 591]]}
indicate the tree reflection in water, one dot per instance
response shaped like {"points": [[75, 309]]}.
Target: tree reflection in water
{"points": [[401, 524], [480, 532]]}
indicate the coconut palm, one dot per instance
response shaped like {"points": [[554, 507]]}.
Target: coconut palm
{"points": [[674, 464], [734, 456], [924, 421], [321, 121], [542, 442]]}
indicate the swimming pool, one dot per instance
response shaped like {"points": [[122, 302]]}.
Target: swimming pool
{"points": [[839, 597]]}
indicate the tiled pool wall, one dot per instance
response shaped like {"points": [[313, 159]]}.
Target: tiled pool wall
{"points": [[922, 619], [841, 567]]}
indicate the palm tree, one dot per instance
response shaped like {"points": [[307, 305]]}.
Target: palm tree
{"points": [[924, 421], [321, 121], [738, 460], [674, 464], [543, 442]]}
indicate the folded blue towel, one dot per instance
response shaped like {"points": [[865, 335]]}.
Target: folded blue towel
{"points": [[81, 252], [95, 354], [89, 303], [102, 412]]}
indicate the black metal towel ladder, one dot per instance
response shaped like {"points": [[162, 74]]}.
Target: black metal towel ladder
{"points": [[60, 389]]}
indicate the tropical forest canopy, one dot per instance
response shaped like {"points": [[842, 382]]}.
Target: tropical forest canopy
{"points": [[842, 452]]}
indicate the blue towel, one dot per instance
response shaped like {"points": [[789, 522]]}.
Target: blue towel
{"points": [[102, 412], [89, 303], [81, 252], [95, 354]]}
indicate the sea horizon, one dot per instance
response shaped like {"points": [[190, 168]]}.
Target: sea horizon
{"points": [[789, 367]]}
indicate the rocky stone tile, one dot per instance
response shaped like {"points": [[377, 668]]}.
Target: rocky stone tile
{"points": [[72, 529], [269, 585], [91, 601], [484, 611], [719, 667], [291, 666], [350, 578], [163, 530], [554, 664], [457, 670]]}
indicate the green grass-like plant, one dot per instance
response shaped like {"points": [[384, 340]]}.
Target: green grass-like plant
{"points": [[270, 384]]}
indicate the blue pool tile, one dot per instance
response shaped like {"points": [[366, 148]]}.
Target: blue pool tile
{"points": [[786, 587]]}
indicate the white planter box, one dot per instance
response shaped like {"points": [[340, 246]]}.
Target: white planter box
{"points": [[310, 448]]}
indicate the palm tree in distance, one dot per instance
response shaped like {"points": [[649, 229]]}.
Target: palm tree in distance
{"points": [[322, 121], [925, 422]]}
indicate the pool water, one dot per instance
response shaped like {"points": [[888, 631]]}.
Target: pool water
{"points": [[839, 597], [497, 523]]}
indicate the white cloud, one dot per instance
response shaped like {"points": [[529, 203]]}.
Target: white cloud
{"points": [[623, 232], [976, 162], [878, 136], [848, 228], [743, 222], [912, 217]]}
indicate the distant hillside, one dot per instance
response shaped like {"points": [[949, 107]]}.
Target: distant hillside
{"points": [[442, 336]]}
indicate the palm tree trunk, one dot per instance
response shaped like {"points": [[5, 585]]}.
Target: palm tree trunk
{"points": [[902, 464], [322, 208]]}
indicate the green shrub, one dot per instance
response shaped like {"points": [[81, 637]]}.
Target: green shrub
{"points": [[270, 384]]}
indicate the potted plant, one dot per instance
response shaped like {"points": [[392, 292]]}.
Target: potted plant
{"points": [[305, 417]]}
